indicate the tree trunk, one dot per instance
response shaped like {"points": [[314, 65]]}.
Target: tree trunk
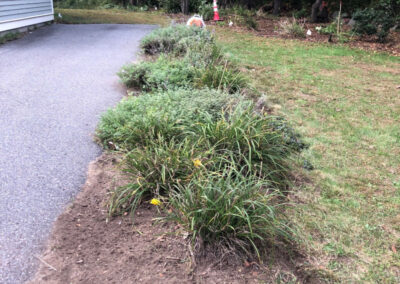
{"points": [[277, 7], [314, 10], [185, 6]]}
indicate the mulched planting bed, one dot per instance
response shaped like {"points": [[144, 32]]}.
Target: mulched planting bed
{"points": [[87, 246]]}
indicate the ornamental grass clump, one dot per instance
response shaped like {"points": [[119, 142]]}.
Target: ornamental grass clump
{"points": [[136, 121], [230, 212], [163, 134], [197, 149], [155, 169], [163, 74], [258, 145], [165, 40], [194, 61], [292, 27]]}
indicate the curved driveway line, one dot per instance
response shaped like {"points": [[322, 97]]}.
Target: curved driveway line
{"points": [[54, 85]]}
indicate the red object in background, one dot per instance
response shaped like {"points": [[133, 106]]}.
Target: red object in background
{"points": [[323, 5], [216, 15]]}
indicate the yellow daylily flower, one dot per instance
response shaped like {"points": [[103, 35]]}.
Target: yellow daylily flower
{"points": [[197, 163], [155, 202]]}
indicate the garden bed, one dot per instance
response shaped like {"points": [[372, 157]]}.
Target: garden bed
{"points": [[86, 246], [269, 27], [198, 155]]}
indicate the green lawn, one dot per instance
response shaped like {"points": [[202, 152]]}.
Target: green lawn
{"points": [[111, 16], [347, 104]]}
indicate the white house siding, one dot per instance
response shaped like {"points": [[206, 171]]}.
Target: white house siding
{"points": [[15, 14]]}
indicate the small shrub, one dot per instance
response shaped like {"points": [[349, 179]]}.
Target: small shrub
{"points": [[134, 75], [373, 21], [219, 203], [166, 39], [292, 28], [329, 29], [206, 11], [241, 16], [250, 22], [301, 14], [332, 29]]}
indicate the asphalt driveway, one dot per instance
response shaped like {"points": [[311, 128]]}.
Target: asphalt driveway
{"points": [[54, 85]]}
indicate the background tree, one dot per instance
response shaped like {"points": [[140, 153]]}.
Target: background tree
{"points": [[315, 10], [277, 7], [185, 6]]}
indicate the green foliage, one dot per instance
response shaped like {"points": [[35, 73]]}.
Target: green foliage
{"points": [[341, 200], [227, 209], [137, 120], [329, 29], [164, 73], [257, 144], [135, 75], [194, 61], [250, 22], [292, 28], [169, 73], [206, 10], [291, 138], [171, 6], [332, 29], [226, 126], [228, 199], [374, 21], [221, 76], [165, 40], [300, 14], [85, 4], [156, 169], [240, 16], [199, 54], [9, 36], [219, 166], [300, 9], [174, 6]]}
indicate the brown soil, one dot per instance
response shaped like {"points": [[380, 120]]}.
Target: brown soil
{"points": [[88, 247]]}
